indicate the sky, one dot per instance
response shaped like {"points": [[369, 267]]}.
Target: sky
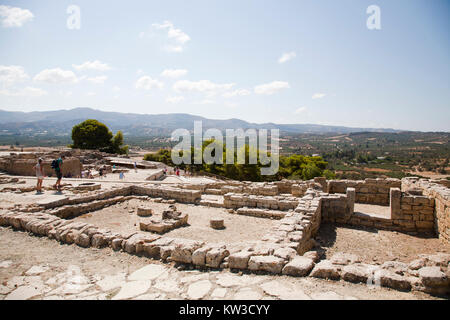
{"points": [[312, 61]]}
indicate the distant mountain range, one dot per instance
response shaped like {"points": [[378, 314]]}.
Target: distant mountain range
{"points": [[60, 122]]}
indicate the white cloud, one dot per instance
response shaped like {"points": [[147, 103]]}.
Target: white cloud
{"points": [[14, 17], [239, 92], [286, 57], [116, 88], [10, 75], [207, 101], [25, 92], [176, 36], [204, 86], [174, 73], [318, 95], [271, 88], [90, 94], [92, 65], [56, 75], [97, 80], [175, 99], [148, 83], [300, 110]]}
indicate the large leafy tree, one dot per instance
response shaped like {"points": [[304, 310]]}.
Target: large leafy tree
{"points": [[94, 135]]}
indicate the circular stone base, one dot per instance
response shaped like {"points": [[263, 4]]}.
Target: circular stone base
{"points": [[217, 223]]}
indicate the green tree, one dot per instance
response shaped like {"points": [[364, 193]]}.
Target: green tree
{"points": [[94, 135]]}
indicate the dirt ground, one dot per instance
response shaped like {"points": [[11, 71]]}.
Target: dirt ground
{"points": [[373, 245], [122, 218]]}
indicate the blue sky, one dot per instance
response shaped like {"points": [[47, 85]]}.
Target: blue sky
{"points": [[221, 59]]}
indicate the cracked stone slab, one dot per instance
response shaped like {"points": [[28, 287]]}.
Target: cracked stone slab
{"points": [[149, 272], [6, 263], [275, 288], [219, 293], [24, 293], [247, 294], [112, 282], [34, 270], [199, 289], [132, 289], [329, 295]]}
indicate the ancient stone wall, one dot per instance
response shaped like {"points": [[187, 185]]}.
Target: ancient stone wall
{"points": [[441, 195], [370, 191], [24, 166], [239, 200]]}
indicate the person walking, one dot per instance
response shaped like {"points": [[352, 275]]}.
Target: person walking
{"points": [[56, 165], [39, 175]]}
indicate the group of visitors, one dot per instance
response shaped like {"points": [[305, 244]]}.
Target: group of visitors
{"points": [[40, 173]]}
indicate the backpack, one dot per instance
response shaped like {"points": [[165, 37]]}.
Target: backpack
{"points": [[55, 164]]}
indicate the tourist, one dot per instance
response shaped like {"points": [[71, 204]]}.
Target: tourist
{"points": [[39, 175], [56, 165], [100, 171], [121, 175], [135, 166]]}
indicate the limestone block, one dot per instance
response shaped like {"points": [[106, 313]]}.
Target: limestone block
{"points": [[239, 260], [299, 266], [215, 256], [270, 264], [183, 251], [325, 269], [355, 273]]}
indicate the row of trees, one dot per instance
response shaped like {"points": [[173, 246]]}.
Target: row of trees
{"points": [[94, 135], [291, 167]]}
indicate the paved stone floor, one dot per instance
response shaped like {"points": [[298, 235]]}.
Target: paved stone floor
{"points": [[39, 268]]}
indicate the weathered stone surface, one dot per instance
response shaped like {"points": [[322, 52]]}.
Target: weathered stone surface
{"points": [[149, 272], [433, 277], [341, 258], [325, 269], [355, 273], [270, 264], [392, 280], [417, 264], [199, 289], [299, 266], [111, 282], [395, 267], [183, 251], [314, 255], [215, 256], [275, 288], [239, 260], [132, 289], [247, 294], [199, 255], [144, 212], [217, 223], [285, 253]]}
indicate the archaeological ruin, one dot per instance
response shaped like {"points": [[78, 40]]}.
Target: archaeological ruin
{"points": [[284, 218]]}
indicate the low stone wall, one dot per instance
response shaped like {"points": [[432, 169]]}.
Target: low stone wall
{"points": [[165, 192], [338, 207], [441, 195], [24, 167], [370, 191], [238, 200]]}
